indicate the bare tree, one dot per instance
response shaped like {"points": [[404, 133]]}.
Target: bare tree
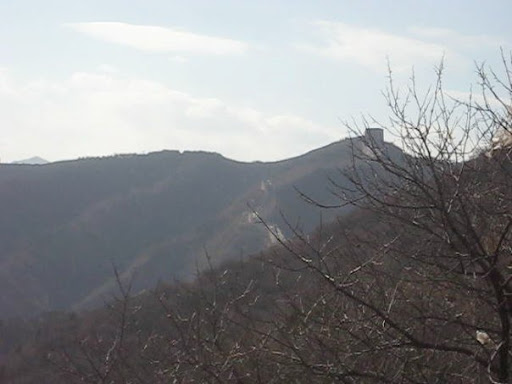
{"points": [[428, 296]]}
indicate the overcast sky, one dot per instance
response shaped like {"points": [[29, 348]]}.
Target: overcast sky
{"points": [[253, 80]]}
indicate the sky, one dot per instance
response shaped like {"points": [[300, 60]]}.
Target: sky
{"points": [[252, 80]]}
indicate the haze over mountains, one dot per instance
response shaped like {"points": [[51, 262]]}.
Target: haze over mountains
{"points": [[65, 226]]}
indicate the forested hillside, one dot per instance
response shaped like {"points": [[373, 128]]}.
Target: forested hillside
{"points": [[383, 295], [66, 226]]}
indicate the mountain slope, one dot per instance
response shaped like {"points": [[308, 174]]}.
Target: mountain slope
{"points": [[66, 226], [378, 296]]}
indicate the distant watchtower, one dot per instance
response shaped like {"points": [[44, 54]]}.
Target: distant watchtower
{"points": [[374, 137]]}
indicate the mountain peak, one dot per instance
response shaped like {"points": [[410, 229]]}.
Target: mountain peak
{"points": [[36, 160]]}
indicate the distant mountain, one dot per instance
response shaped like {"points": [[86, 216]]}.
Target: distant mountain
{"points": [[65, 226], [36, 160]]}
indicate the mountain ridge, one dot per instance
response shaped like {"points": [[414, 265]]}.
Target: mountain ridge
{"points": [[68, 224]]}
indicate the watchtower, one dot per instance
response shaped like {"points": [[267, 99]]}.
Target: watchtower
{"points": [[374, 137]]}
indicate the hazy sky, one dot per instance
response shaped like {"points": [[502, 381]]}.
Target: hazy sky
{"points": [[252, 80]]}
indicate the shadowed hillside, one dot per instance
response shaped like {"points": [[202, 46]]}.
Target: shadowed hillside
{"points": [[371, 298], [65, 226]]}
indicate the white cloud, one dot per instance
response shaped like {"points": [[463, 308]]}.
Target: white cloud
{"points": [[459, 40], [102, 113], [107, 68], [178, 59], [371, 47], [159, 39]]}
